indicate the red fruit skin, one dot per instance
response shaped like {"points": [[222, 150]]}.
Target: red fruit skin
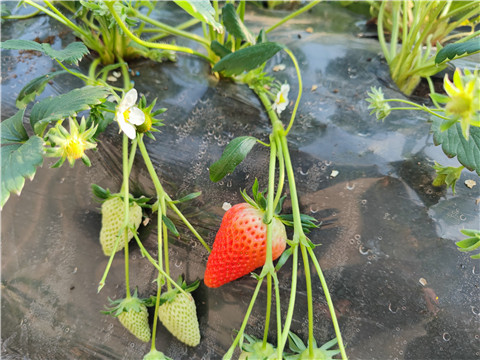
{"points": [[241, 245]]}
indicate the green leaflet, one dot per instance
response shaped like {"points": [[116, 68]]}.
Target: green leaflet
{"points": [[19, 160], [454, 144], [71, 54], [34, 88], [219, 49], [65, 105], [201, 10], [248, 58], [233, 155], [12, 129], [234, 24], [453, 50]]}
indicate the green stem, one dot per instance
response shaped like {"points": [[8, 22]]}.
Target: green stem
{"points": [[159, 278], [229, 353], [154, 263], [291, 303], [281, 174], [308, 280], [151, 44], [159, 189], [170, 29], [59, 16], [269, 309], [300, 89], [93, 68], [330, 303], [126, 203], [292, 15], [162, 205], [21, 17], [74, 73], [381, 35], [163, 34]]}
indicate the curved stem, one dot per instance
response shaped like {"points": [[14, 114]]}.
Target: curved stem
{"points": [[269, 309], [300, 89], [21, 17], [159, 189], [292, 15], [151, 44], [163, 34], [281, 174], [308, 280], [162, 206], [170, 29], [329, 302], [59, 16]]}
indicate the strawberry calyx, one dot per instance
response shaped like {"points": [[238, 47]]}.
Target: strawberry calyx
{"points": [[169, 296], [255, 349], [259, 201], [156, 355], [103, 195], [302, 352], [126, 304]]}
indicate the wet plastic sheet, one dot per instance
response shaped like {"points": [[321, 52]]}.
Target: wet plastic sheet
{"points": [[400, 287]]}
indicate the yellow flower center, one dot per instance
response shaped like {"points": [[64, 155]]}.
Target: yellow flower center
{"points": [[460, 104], [281, 99], [74, 148], [126, 115]]}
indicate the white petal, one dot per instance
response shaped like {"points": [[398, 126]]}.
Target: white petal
{"points": [[137, 117], [119, 117], [285, 89], [130, 98], [128, 129]]}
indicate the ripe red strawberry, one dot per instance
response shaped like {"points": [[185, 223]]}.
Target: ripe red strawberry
{"points": [[112, 221], [241, 244]]}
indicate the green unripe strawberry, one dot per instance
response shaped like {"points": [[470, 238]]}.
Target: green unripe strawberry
{"points": [[136, 322], [133, 315], [179, 316], [146, 125], [112, 222]]}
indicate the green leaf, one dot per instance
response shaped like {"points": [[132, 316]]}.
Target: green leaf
{"points": [[170, 225], [471, 243], [201, 10], [234, 24], [219, 49], [454, 144], [283, 258], [72, 54], [452, 50], [248, 58], [233, 155], [100, 192], [12, 129], [18, 162], [65, 105], [34, 88]]}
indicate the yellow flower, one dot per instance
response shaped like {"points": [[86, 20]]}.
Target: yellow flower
{"points": [[71, 145], [463, 103]]}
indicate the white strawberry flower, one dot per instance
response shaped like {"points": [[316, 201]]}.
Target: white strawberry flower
{"points": [[281, 101], [128, 115]]}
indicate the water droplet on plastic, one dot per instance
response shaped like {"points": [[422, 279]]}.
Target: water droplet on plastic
{"points": [[357, 236], [67, 330], [446, 336], [463, 217], [352, 241], [350, 187], [303, 172], [363, 250], [178, 263], [391, 310], [313, 210], [364, 202], [475, 310]]}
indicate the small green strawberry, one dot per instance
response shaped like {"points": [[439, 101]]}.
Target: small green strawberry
{"points": [[255, 349], [133, 315], [112, 222], [178, 314], [156, 355]]}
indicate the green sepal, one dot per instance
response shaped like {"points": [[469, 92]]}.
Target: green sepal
{"points": [[283, 258], [219, 49], [123, 305], [187, 197], [170, 226], [308, 222]]}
